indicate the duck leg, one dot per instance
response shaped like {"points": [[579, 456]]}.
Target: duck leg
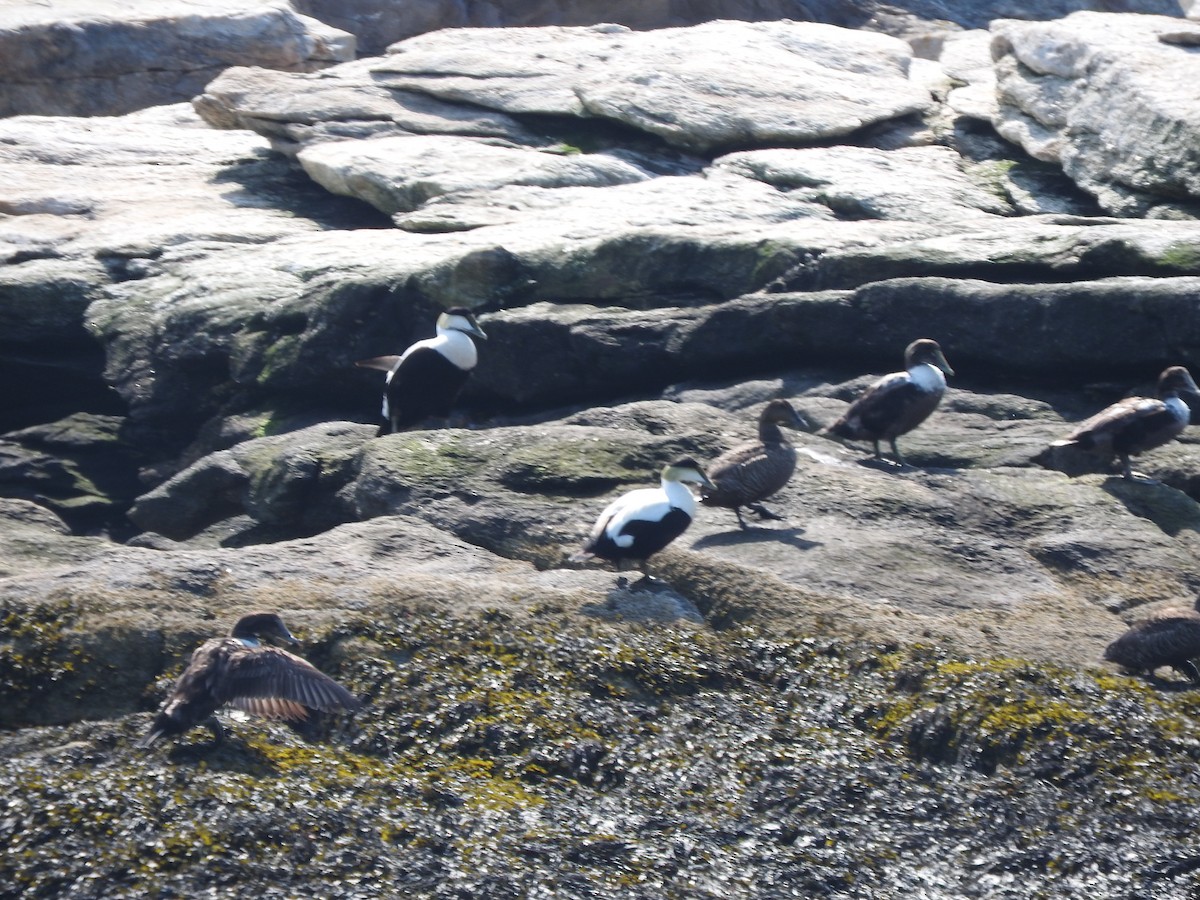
{"points": [[896, 452], [1188, 668], [214, 726], [737, 511], [623, 565], [765, 513]]}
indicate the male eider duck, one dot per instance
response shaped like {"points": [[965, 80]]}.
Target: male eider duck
{"points": [[754, 471], [256, 678], [638, 524], [1137, 424], [899, 402], [426, 379], [1170, 637]]}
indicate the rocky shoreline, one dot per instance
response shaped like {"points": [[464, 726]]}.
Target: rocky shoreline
{"points": [[897, 690]]}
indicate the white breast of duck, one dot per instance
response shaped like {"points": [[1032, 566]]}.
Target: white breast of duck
{"points": [[928, 378], [453, 346], [648, 505], [1179, 410]]}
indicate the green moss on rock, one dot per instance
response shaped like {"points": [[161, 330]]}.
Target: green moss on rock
{"points": [[501, 757]]}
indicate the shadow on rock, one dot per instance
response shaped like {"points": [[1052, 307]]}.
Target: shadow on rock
{"points": [[1169, 508], [232, 754], [646, 600], [1169, 686], [754, 534]]}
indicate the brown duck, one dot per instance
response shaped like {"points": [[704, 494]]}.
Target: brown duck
{"points": [[1171, 637], [750, 473], [899, 402], [1137, 424], [240, 671]]}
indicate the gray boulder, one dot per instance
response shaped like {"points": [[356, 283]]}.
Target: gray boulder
{"points": [[1110, 99], [864, 552], [92, 207], [35, 540], [717, 85], [98, 58], [340, 103], [402, 174], [378, 23]]}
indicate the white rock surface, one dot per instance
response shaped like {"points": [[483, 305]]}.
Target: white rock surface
{"points": [[106, 57], [127, 186], [400, 174], [1113, 99], [718, 85]]}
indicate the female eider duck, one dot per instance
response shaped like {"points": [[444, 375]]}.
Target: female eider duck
{"points": [[1170, 637], [754, 471], [638, 524], [426, 379], [259, 679], [899, 402], [1137, 424]]}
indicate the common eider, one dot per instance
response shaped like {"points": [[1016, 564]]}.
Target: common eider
{"points": [[1170, 637], [899, 402], [638, 524], [427, 378], [240, 671], [1137, 424], [751, 472]]}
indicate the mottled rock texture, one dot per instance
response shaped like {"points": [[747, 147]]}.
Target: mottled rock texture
{"points": [[898, 690], [99, 57]]}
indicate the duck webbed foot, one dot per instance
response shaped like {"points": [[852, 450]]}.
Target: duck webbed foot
{"points": [[764, 513], [218, 733], [1187, 668]]}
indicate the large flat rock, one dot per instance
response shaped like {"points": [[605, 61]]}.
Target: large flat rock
{"points": [[78, 57], [716, 85], [1113, 99], [986, 552]]}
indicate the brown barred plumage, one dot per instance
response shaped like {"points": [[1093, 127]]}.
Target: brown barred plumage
{"points": [[1170, 637], [259, 679], [750, 473]]}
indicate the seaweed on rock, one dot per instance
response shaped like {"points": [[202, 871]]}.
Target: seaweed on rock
{"points": [[492, 760]]}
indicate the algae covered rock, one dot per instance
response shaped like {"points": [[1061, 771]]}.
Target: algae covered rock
{"points": [[508, 756]]}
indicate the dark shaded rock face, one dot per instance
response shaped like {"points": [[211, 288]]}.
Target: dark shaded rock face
{"points": [[102, 58], [896, 690]]}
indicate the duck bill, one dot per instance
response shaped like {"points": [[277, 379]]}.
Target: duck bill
{"points": [[476, 331], [940, 361]]}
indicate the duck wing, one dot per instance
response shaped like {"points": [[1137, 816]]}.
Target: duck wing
{"points": [[1158, 641], [630, 505], [1133, 421], [749, 473], [893, 405], [275, 684]]}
